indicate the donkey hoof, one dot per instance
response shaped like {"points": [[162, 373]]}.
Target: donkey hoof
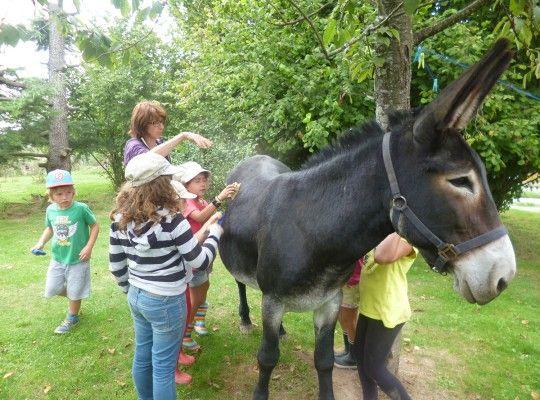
{"points": [[260, 394], [246, 328]]}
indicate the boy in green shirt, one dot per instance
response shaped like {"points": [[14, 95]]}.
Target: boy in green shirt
{"points": [[74, 230]]}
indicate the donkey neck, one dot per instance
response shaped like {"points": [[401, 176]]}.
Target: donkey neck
{"points": [[348, 193]]}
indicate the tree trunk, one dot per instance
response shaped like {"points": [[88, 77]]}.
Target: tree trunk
{"points": [[59, 151], [392, 91], [393, 79]]}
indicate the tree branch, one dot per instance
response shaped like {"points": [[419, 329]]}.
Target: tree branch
{"points": [[432, 30], [367, 31], [295, 21], [513, 26], [310, 22], [34, 155], [11, 83], [124, 48], [111, 177]]}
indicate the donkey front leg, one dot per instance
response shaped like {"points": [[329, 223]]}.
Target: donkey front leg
{"points": [[324, 319], [243, 309], [272, 312]]}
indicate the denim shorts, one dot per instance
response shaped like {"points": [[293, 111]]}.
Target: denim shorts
{"points": [[72, 281], [351, 296], [200, 277]]}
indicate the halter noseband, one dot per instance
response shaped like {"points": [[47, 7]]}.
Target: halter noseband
{"points": [[446, 251]]}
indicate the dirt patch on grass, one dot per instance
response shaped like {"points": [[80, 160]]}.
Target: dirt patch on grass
{"points": [[418, 372]]}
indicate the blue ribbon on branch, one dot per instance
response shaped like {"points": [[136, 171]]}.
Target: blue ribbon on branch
{"points": [[421, 49]]}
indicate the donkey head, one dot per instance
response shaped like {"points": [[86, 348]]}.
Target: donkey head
{"points": [[445, 182]]}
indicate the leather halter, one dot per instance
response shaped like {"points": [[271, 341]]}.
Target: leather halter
{"points": [[446, 251]]}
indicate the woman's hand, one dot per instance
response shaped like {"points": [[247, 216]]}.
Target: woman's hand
{"points": [[199, 140]]}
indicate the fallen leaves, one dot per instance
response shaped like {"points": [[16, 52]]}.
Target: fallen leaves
{"points": [[120, 383], [9, 374], [47, 388], [214, 384]]}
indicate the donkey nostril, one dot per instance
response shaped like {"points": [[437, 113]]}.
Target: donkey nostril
{"points": [[501, 285]]}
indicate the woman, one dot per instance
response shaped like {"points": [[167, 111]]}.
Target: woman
{"points": [[147, 126]]}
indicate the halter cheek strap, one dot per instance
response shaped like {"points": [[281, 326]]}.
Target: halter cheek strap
{"points": [[446, 251]]}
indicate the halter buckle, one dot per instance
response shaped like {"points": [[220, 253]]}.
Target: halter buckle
{"points": [[399, 202], [448, 251]]}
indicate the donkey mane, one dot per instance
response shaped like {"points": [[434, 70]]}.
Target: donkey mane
{"points": [[357, 137]]}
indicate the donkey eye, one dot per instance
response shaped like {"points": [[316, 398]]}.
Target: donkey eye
{"points": [[462, 182]]}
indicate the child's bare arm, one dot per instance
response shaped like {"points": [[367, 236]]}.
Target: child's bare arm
{"points": [[45, 237], [202, 233], [392, 248], [86, 252], [203, 215]]}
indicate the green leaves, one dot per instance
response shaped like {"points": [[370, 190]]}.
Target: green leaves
{"points": [[411, 6], [11, 34], [123, 6], [95, 46], [329, 31], [517, 6]]}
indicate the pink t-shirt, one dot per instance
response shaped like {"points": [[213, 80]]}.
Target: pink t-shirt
{"points": [[194, 205], [355, 276]]}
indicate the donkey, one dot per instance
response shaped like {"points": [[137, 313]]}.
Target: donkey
{"points": [[295, 235]]}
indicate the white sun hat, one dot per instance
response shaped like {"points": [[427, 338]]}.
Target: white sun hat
{"points": [[189, 170], [146, 167], [182, 191]]}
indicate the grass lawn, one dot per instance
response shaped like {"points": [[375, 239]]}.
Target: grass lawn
{"points": [[531, 194], [489, 352]]}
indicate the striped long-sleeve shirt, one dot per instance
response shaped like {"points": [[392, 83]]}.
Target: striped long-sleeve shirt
{"points": [[159, 257]]}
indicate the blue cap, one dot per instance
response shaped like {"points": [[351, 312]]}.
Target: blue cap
{"points": [[59, 177]]}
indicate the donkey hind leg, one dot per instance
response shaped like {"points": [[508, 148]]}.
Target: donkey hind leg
{"points": [[243, 309], [324, 319], [272, 313]]}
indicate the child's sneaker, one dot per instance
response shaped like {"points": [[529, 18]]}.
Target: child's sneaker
{"points": [[67, 324], [182, 378], [185, 359]]}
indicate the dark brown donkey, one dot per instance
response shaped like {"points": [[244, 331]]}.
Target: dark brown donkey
{"points": [[295, 235]]}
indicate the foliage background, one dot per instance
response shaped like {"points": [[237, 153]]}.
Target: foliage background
{"points": [[256, 78]]}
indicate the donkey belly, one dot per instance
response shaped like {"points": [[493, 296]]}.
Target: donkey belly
{"points": [[310, 300], [308, 293]]}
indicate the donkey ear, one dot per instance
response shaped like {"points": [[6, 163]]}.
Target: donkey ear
{"points": [[459, 101]]}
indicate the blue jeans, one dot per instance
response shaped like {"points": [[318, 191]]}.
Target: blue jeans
{"points": [[159, 323]]}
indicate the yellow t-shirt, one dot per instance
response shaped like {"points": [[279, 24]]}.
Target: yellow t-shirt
{"points": [[383, 289]]}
